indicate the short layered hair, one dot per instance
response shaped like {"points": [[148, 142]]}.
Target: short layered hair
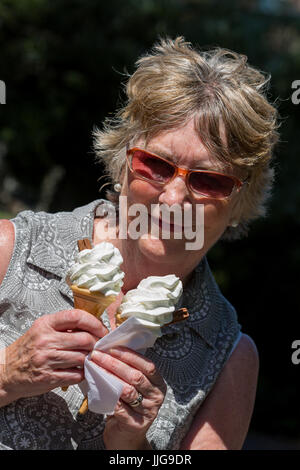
{"points": [[225, 96]]}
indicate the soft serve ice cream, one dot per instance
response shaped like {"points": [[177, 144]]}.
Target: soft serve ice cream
{"points": [[145, 309], [98, 270], [153, 301]]}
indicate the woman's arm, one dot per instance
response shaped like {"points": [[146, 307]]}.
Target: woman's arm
{"points": [[7, 240], [47, 355], [223, 420]]}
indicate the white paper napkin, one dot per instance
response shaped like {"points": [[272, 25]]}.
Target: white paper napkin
{"points": [[102, 388]]}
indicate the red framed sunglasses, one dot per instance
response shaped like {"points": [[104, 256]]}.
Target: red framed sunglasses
{"points": [[157, 170]]}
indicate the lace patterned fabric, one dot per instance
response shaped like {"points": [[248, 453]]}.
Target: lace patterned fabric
{"points": [[190, 355]]}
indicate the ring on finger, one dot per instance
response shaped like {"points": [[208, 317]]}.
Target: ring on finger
{"points": [[136, 402]]}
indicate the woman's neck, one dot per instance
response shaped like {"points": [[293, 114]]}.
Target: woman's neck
{"points": [[137, 266]]}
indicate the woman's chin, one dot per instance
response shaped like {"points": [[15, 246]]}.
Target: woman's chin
{"points": [[159, 250]]}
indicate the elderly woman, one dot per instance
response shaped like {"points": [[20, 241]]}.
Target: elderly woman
{"points": [[197, 131]]}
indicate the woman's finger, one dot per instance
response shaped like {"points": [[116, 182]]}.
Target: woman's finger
{"points": [[125, 372], [138, 361], [74, 340], [70, 376], [128, 415], [76, 319], [66, 359], [133, 417]]}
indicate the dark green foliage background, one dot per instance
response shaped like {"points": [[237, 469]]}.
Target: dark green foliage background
{"points": [[63, 63]]}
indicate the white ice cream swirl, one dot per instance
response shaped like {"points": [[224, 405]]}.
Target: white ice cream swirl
{"points": [[153, 301], [98, 269]]}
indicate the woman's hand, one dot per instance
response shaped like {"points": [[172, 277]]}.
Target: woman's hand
{"points": [[127, 428], [50, 354]]}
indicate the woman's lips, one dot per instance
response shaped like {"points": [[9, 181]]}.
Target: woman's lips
{"points": [[167, 226]]}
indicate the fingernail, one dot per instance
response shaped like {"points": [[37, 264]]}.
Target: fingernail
{"points": [[116, 350], [96, 354]]}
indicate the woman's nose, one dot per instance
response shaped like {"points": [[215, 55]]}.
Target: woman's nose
{"points": [[175, 192]]}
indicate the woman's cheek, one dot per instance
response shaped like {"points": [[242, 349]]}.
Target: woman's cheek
{"points": [[216, 216], [141, 192]]}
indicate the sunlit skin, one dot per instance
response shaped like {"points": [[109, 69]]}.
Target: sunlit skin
{"points": [[158, 256]]}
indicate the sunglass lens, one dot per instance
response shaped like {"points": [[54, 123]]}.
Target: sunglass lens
{"points": [[211, 184], [151, 167]]}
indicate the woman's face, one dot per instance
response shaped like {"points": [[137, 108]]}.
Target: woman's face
{"points": [[183, 147]]}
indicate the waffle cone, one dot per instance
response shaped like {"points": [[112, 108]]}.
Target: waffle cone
{"points": [[92, 302]]}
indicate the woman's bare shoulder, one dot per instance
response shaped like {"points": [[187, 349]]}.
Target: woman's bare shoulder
{"points": [[222, 422], [7, 240], [246, 350], [244, 363]]}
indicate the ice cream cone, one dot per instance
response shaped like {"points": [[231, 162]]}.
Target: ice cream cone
{"points": [[82, 245], [179, 315], [101, 268], [92, 302]]}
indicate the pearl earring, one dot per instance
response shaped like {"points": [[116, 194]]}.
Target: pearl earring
{"points": [[117, 187], [234, 223]]}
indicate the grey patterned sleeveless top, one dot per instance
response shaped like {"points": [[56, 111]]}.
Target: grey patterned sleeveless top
{"points": [[190, 355]]}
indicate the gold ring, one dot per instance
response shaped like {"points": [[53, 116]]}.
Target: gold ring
{"points": [[136, 402]]}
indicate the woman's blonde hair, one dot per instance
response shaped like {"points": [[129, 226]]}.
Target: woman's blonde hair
{"points": [[221, 92]]}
